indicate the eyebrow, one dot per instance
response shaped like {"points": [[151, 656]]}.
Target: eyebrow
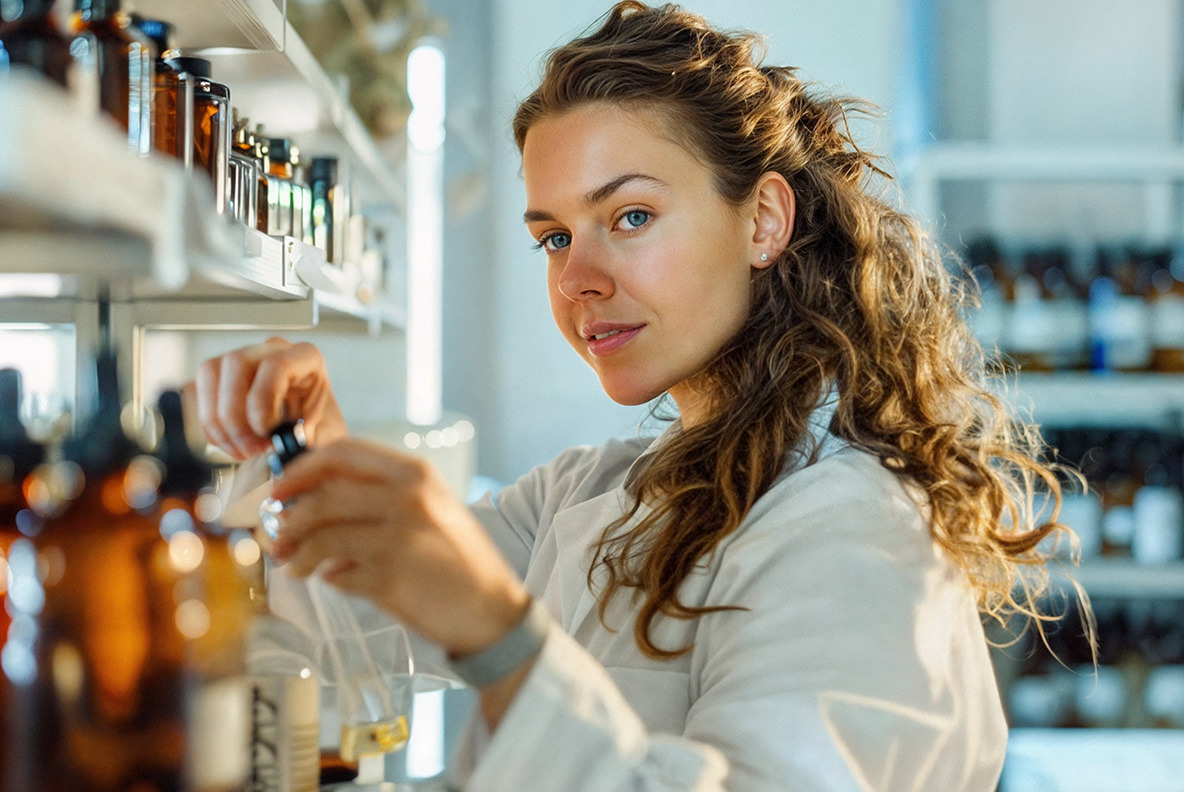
{"points": [[598, 194]]}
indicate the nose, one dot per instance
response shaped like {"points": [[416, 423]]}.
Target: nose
{"points": [[584, 275]]}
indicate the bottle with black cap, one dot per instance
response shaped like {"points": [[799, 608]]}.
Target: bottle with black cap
{"points": [[280, 173], [322, 179], [219, 597], [105, 706], [19, 457], [211, 124], [30, 36], [106, 42]]}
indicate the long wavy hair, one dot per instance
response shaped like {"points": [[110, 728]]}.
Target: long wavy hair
{"points": [[860, 300]]}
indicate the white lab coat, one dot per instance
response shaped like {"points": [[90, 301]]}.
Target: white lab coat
{"points": [[859, 664]]}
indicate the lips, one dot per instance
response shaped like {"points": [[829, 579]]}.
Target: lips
{"points": [[606, 337]]}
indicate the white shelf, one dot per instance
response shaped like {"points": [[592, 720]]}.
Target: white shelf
{"points": [[1127, 579], [953, 161], [242, 24], [1098, 399]]}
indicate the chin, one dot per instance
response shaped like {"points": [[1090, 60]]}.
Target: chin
{"points": [[630, 394]]}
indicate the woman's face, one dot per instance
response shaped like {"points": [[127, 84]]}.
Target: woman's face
{"points": [[647, 266]]}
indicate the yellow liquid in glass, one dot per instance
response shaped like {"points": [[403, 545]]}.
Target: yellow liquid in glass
{"points": [[370, 739]]}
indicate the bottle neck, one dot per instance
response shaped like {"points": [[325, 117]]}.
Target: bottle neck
{"points": [[29, 10], [95, 10]]}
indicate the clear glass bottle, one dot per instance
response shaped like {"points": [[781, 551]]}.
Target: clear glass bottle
{"points": [[322, 177], [106, 707], [1167, 313], [280, 176], [374, 716], [30, 36], [105, 40], [211, 124], [262, 157], [244, 173]]}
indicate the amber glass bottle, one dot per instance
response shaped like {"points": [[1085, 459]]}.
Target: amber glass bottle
{"points": [[123, 58], [19, 456], [30, 36], [217, 610], [211, 123], [106, 708]]}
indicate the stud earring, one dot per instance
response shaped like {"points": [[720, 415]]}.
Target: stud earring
{"points": [[764, 257]]}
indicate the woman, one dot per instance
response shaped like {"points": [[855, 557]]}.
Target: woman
{"points": [[779, 593]]}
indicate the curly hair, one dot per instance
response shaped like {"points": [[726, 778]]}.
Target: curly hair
{"points": [[860, 300]]}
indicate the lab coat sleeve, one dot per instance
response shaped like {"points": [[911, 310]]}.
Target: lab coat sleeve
{"points": [[859, 665]]}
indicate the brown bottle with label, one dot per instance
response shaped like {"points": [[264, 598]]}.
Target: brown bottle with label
{"points": [[218, 608], [29, 36], [106, 708], [19, 457], [106, 42]]}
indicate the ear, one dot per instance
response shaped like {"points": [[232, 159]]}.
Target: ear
{"points": [[773, 218]]}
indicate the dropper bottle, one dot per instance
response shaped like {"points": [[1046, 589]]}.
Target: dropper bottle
{"points": [[371, 722]]}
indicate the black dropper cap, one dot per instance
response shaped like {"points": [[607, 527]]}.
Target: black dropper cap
{"points": [[323, 169], [15, 445], [287, 443], [279, 149], [198, 67], [185, 472], [102, 446]]}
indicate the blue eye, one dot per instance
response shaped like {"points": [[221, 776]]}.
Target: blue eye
{"points": [[553, 242], [635, 218]]}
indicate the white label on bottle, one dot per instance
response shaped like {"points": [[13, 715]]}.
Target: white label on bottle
{"points": [[220, 735], [286, 751], [1167, 322], [1070, 330], [1159, 525], [1032, 328], [1118, 525], [1126, 334]]}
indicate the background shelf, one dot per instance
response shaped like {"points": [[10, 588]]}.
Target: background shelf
{"points": [[1099, 399]]}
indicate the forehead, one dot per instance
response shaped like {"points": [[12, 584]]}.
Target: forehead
{"points": [[581, 149]]}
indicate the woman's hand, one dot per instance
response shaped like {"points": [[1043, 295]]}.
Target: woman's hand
{"points": [[242, 395], [385, 525]]}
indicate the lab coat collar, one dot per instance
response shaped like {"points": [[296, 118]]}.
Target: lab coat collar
{"points": [[578, 528]]}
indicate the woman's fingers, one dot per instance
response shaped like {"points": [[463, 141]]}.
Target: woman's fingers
{"points": [[244, 394], [206, 389], [353, 459], [234, 380]]}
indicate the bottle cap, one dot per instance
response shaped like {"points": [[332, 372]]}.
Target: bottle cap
{"points": [[97, 9], [323, 169], [287, 442], [198, 67], [157, 30], [279, 149]]}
